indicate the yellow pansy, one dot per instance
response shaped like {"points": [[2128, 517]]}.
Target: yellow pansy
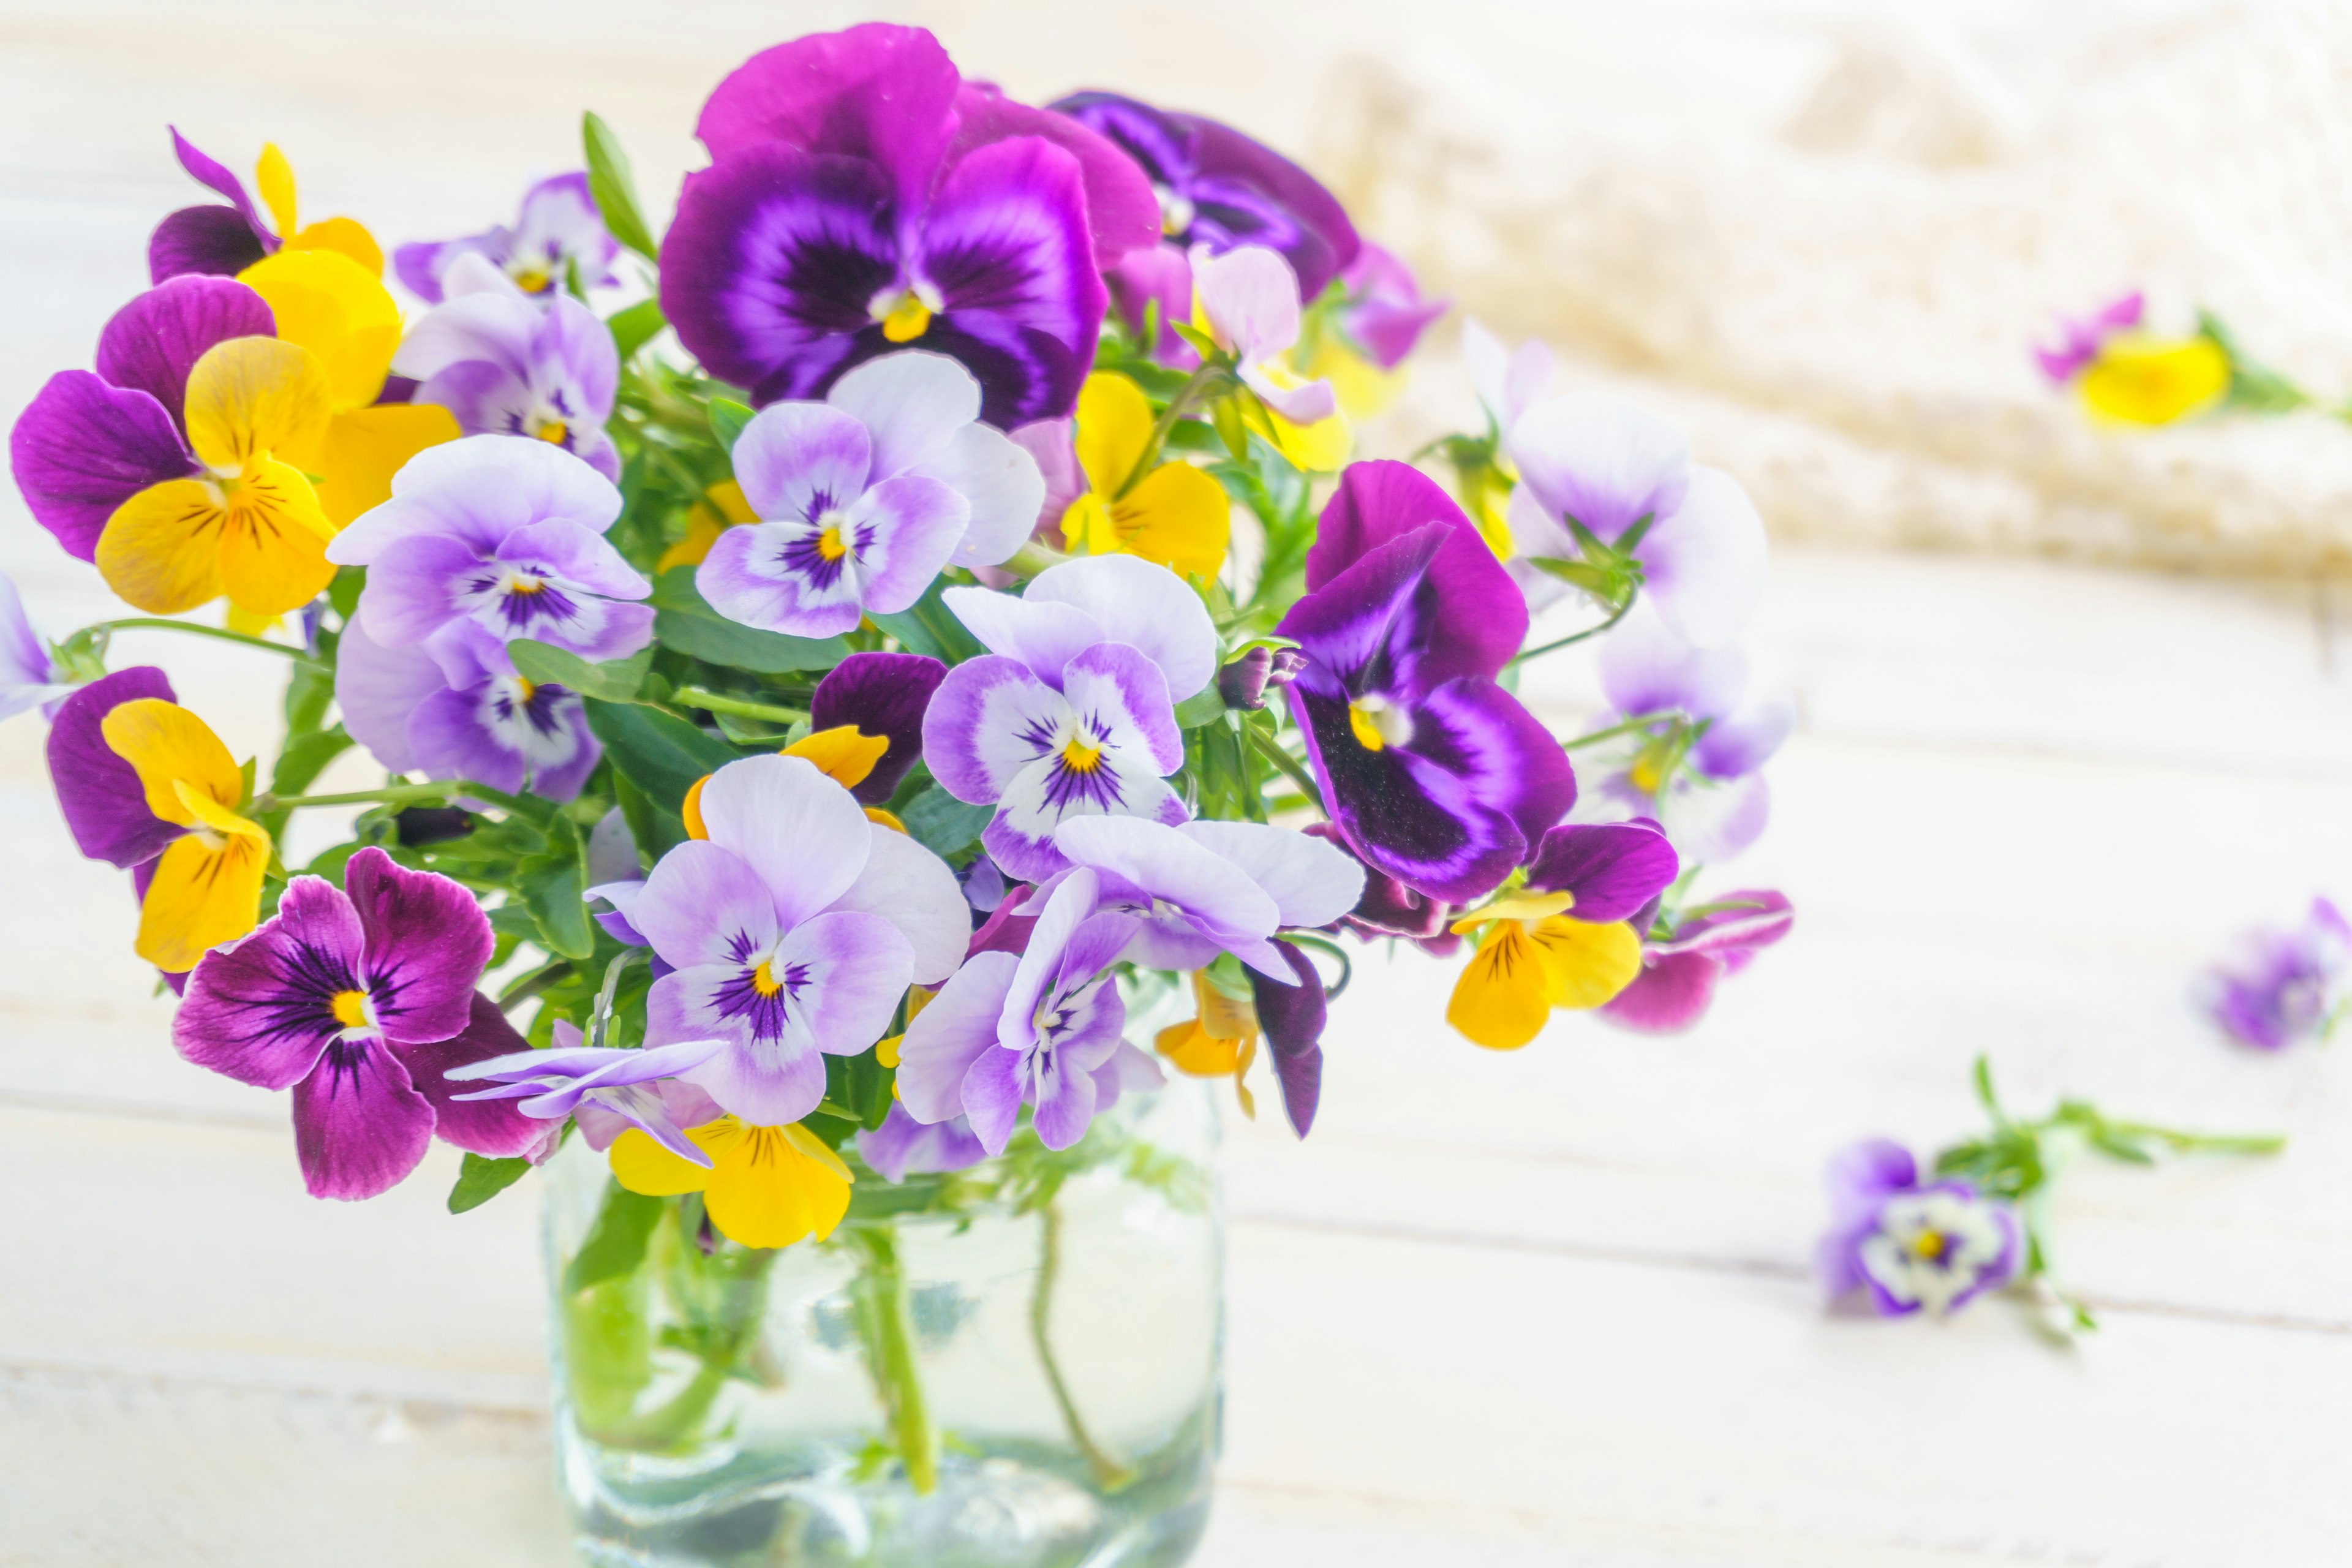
{"points": [[275, 178], [1534, 958], [1176, 514], [765, 1186], [1219, 1041], [207, 889], [252, 527], [722, 507], [336, 308], [2144, 380]]}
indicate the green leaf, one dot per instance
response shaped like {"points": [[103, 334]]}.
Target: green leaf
{"points": [[309, 693], [655, 831], [727, 418], [942, 824], [1203, 706], [344, 593], [929, 628], [479, 1180], [636, 327], [685, 621], [615, 680], [659, 753], [617, 1241], [612, 187], [552, 892]]}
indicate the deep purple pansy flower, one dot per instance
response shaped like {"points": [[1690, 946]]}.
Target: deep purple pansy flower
{"points": [[1934, 1246], [1436, 775], [2276, 988], [558, 231], [570, 1079], [28, 676], [1679, 975], [863, 196], [359, 999], [1072, 711], [884, 695]]}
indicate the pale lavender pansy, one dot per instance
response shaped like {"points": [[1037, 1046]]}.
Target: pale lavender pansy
{"points": [[1382, 311], [361, 999], [1033, 1030], [1931, 1246], [558, 231], [1250, 297], [2276, 988], [1611, 467], [28, 676], [570, 1079], [794, 929], [1072, 711], [863, 498], [505, 365], [473, 718], [903, 1146]]}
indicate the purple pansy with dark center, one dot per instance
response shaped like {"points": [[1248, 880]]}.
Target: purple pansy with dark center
{"points": [[1679, 973], [794, 929], [1216, 187], [1438, 776], [470, 718], [626, 1086], [2276, 988], [863, 196], [884, 695], [558, 232], [1072, 711], [361, 999], [1932, 1245], [507, 366], [89, 442]]}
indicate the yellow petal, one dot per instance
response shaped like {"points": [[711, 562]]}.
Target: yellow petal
{"points": [[1178, 516], [771, 1190], [1114, 426], [210, 813], [275, 177], [273, 551], [690, 813], [843, 753], [1362, 387], [1321, 447], [161, 550], [338, 310], [886, 1051], [251, 623], [644, 1166], [167, 745], [1492, 512], [702, 530], [1087, 527], [202, 895], [812, 1147], [1502, 998], [249, 398], [1588, 964], [727, 497], [345, 236], [2142, 380], [365, 447], [1192, 1050], [881, 818]]}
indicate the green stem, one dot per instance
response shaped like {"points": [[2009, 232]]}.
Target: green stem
{"points": [[1109, 1474], [391, 794], [2182, 1142], [1205, 379], [1623, 610], [1271, 750], [222, 634], [1031, 558], [888, 1324], [1638, 722], [696, 696]]}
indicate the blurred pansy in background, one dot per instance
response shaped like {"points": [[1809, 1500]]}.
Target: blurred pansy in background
{"points": [[2276, 988]]}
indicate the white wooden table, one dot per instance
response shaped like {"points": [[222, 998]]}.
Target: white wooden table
{"points": [[1548, 1307]]}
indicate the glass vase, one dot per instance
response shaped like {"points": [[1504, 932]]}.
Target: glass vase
{"points": [[1010, 1366]]}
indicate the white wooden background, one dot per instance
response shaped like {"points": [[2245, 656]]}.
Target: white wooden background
{"points": [[1550, 1307]]}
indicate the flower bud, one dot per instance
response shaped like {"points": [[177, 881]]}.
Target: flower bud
{"points": [[1243, 682]]}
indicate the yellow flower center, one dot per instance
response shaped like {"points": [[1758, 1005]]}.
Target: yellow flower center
{"points": [[764, 981], [525, 688], [1081, 758], [527, 585], [554, 432], [351, 1009], [1377, 723], [907, 319], [829, 546], [534, 279], [1930, 1244]]}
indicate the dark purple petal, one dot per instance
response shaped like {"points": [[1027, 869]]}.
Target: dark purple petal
{"points": [[152, 342], [81, 448], [360, 1126], [214, 177], [1122, 213], [209, 241], [1670, 994], [1477, 617], [494, 1128], [883, 694], [1165, 147], [262, 1010], [427, 939], [1293, 1017], [1247, 193], [1613, 868], [1007, 930], [104, 804], [878, 93]]}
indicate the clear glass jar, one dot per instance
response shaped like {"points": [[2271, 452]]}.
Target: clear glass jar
{"points": [[1011, 1366]]}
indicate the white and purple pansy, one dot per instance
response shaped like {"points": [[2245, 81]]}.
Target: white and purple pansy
{"points": [[794, 929], [1932, 1245], [467, 715], [625, 1085], [862, 498], [558, 232], [1072, 711]]}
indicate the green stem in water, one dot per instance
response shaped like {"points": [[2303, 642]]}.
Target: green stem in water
{"points": [[222, 634], [1109, 1474], [886, 1321], [696, 696]]}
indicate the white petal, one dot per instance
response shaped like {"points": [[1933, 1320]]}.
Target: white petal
{"points": [[911, 403], [1004, 484], [1705, 563], [1311, 880], [915, 890], [1605, 463], [1140, 603], [1251, 298], [1041, 635], [802, 832], [1646, 669]]}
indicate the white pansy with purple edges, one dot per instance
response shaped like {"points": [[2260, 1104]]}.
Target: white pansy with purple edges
{"points": [[29, 678], [502, 537], [1072, 711], [794, 929], [473, 718], [507, 364], [862, 498], [1039, 1029], [1249, 296], [1917, 1246], [1609, 466]]}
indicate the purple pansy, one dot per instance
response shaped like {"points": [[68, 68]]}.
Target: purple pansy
{"points": [[1934, 1246], [862, 498], [794, 929], [903, 1146], [881, 694], [570, 1079], [471, 718], [1436, 775], [1072, 711], [1293, 1012], [558, 231], [361, 999], [2080, 337], [1613, 870], [504, 364], [1611, 468], [208, 239], [1679, 973], [490, 538], [89, 442], [1383, 312], [1216, 187], [28, 676], [862, 195], [1033, 1030], [2277, 988]]}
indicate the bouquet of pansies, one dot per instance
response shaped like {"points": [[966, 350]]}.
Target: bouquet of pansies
{"points": [[832, 668]]}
